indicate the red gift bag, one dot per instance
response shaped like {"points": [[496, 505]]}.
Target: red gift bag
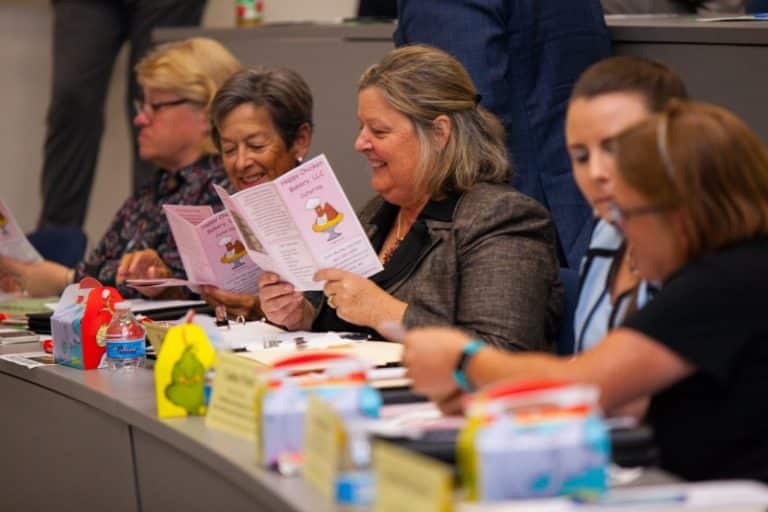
{"points": [[79, 324]]}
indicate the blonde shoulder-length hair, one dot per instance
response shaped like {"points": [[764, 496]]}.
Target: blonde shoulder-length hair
{"points": [[194, 69], [422, 83]]}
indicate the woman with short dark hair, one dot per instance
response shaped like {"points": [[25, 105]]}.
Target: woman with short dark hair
{"points": [[262, 126]]}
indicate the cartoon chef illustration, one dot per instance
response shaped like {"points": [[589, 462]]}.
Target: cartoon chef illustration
{"points": [[327, 217], [235, 250], [3, 223]]}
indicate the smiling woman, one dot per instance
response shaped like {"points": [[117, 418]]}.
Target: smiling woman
{"points": [[178, 81], [458, 244], [262, 125], [262, 120]]}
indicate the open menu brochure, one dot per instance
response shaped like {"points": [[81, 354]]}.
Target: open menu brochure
{"points": [[300, 223], [210, 250], [293, 226]]}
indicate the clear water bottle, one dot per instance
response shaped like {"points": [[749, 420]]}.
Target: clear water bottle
{"points": [[125, 339], [355, 485]]}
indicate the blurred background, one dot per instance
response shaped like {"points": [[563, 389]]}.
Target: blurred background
{"points": [[25, 70]]}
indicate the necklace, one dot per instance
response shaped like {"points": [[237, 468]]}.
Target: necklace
{"points": [[631, 261], [386, 255]]}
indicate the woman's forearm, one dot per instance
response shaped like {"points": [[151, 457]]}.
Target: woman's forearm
{"points": [[491, 365]]}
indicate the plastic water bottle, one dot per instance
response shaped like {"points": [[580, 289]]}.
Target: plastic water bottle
{"points": [[355, 485], [125, 339]]}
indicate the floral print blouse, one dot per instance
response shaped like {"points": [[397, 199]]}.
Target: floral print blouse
{"points": [[141, 224]]}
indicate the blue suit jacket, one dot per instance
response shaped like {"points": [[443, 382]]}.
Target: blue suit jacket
{"points": [[524, 56]]}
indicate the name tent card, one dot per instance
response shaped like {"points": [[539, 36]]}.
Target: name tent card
{"points": [[410, 482], [324, 446], [235, 388]]}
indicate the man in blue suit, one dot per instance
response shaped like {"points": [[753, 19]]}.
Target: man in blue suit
{"points": [[702, 7], [524, 56]]}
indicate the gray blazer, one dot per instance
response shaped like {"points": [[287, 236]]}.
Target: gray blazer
{"points": [[483, 261]]}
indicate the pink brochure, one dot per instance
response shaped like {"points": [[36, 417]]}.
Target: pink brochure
{"points": [[300, 223], [13, 243], [210, 250]]}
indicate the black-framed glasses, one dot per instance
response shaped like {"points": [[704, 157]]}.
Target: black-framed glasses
{"points": [[150, 109], [618, 216]]}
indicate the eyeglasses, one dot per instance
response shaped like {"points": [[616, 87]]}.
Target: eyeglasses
{"points": [[618, 216], [150, 109]]}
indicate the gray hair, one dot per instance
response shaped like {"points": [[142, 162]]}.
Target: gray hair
{"points": [[283, 92]]}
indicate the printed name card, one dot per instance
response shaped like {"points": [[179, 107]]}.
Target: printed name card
{"points": [[235, 388], [407, 481], [324, 442]]}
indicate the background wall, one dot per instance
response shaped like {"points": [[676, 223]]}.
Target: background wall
{"points": [[25, 61]]}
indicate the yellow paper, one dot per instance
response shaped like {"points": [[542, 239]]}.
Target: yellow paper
{"points": [[235, 388], [182, 363], [407, 481], [324, 442], [467, 457], [156, 332], [258, 422]]}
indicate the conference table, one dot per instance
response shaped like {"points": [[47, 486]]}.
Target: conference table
{"points": [[91, 440]]}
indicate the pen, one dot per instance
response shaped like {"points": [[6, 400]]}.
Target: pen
{"points": [[354, 336], [12, 320], [132, 244]]}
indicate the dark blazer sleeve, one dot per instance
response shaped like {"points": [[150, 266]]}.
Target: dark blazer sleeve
{"points": [[507, 289], [473, 31]]}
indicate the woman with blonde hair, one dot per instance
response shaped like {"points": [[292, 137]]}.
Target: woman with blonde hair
{"points": [[691, 197], [458, 245], [179, 80]]}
